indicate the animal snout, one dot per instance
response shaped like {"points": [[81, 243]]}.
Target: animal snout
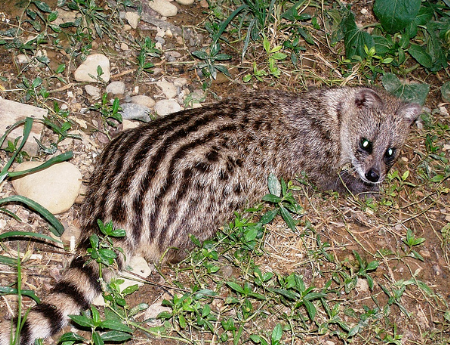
{"points": [[373, 175]]}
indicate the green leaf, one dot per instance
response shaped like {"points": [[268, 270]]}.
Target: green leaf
{"points": [[202, 55], [71, 337], [277, 333], [82, 321], [274, 185], [6, 290], [116, 326], [52, 16], [408, 92], [56, 227], [271, 198], [96, 337], [355, 39], [395, 15], [445, 92], [42, 6], [287, 218], [236, 287], [373, 265], [268, 216], [116, 336], [27, 234], [420, 55], [60, 158]]}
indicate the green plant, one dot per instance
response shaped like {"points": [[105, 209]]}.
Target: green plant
{"points": [[281, 196], [109, 111], [147, 49], [208, 64]]}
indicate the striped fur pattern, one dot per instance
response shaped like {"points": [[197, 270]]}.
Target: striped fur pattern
{"points": [[187, 172]]}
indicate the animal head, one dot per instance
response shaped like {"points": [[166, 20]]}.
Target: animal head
{"points": [[374, 131]]}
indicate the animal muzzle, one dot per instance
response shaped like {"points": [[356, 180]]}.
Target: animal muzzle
{"points": [[373, 175]]}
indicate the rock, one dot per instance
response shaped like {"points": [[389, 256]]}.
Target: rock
{"points": [[166, 107], [204, 4], [124, 46], [128, 124], [55, 187], [87, 71], [65, 16], [152, 313], [180, 82], [138, 266], [362, 286], [70, 237], [163, 7], [12, 112], [22, 59], [92, 91], [185, 2], [132, 111], [169, 90], [133, 19], [143, 100], [172, 56], [116, 88]]}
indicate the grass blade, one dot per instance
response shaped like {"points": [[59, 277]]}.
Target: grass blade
{"points": [[56, 226]]}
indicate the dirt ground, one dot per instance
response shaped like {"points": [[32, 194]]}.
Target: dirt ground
{"points": [[341, 221]]}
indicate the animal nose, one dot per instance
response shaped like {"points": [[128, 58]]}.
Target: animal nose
{"points": [[373, 175]]}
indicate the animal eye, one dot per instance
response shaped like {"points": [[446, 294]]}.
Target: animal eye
{"points": [[365, 145], [390, 152]]}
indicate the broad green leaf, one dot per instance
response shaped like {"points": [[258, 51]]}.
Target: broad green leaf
{"points": [[355, 39], [236, 287], [408, 92], [395, 15], [71, 337], [116, 336], [277, 333], [96, 337], [271, 198], [445, 92], [116, 326], [287, 218], [420, 55], [274, 185], [82, 321], [42, 6], [268, 216]]}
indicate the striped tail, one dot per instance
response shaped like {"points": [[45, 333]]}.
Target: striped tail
{"points": [[74, 293]]}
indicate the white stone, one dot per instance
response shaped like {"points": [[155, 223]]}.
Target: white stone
{"points": [[185, 2], [92, 91], [362, 285], [129, 124], [166, 107], [152, 313], [133, 19], [12, 112], [143, 100], [55, 187], [116, 88], [163, 7], [124, 46], [169, 90], [22, 59], [87, 71], [65, 16], [180, 82]]}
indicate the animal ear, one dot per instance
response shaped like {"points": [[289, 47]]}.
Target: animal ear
{"points": [[367, 98], [409, 112]]}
